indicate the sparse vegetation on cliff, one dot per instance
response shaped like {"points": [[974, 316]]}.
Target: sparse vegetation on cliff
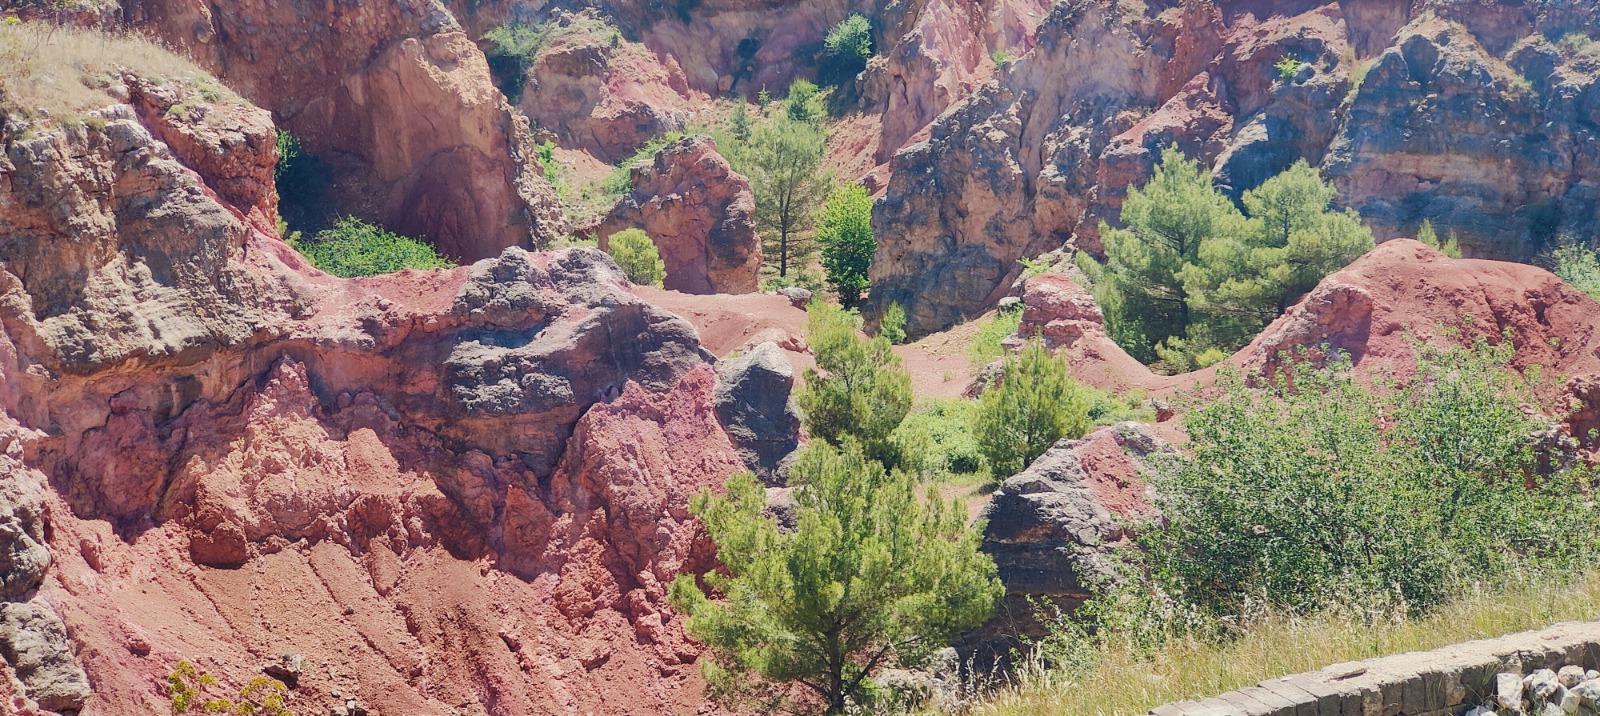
{"points": [[355, 248], [190, 690], [847, 46]]}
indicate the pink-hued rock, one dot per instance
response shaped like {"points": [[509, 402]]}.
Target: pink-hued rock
{"points": [[451, 491], [701, 215]]}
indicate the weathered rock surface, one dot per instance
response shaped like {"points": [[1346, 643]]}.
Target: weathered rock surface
{"points": [[1051, 528], [755, 405], [701, 215], [23, 554], [393, 477], [34, 642], [397, 100], [1062, 315], [1041, 157]]}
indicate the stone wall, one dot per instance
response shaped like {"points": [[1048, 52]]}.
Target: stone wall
{"points": [[1451, 680]]}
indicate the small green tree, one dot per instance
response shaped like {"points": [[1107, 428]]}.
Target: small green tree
{"points": [[1578, 265], [845, 233], [870, 577], [804, 103], [740, 125], [637, 255], [1034, 404], [355, 248], [858, 390], [893, 324], [1430, 238], [783, 160], [848, 46]]}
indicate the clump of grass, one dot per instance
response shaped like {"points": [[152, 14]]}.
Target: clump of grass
{"points": [[1126, 682], [985, 347], [53, 71]]}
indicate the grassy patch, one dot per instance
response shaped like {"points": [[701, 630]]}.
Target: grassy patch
{"points": [[985, 347], [355, 248], [67, 71], [1124, 682]]}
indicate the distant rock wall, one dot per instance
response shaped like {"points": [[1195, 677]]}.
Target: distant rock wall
{"points": [[1480, 116]]}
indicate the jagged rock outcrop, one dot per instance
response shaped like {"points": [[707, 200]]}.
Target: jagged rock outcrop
{"points": [[596, 92], [1043, 155], [754, 402], [23, 554], [1063, 316], [398, 102], [1051, 528], [393, 477], [701, 215], [34, 642]]}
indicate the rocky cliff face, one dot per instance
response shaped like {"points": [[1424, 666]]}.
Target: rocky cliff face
{"points": [[395, 97], [455, 491], [701, 215], [1403, 107]]}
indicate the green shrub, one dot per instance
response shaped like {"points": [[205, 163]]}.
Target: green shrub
{"points": [[1287, 68], [872, 576], [937, 439], [512, 49], [1326, 494], [893, 324], [1429, 237], [805, 102], [845, 232], [1033, 405], [187, 689], [355, 248], [858, 390], [848, 46], [985, 347], [1579, 266], [637, 255], [1002, 57]]}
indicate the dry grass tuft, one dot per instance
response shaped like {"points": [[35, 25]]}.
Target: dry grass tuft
{"points": [[1125, 684], [61, 72]]}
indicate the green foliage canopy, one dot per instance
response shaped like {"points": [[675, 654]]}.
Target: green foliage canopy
{"points": [[858, 391], [848, 46], [783, 159], [355, 248], [637, 255], [1033, 405], [845, 233], [871, 576]]}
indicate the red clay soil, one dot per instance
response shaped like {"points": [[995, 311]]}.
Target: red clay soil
{"points": [[730, 323]]}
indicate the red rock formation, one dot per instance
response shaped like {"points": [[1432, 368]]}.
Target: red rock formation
{"points": [[454, 491], [1065, 317], [1043, 156], [701, 215], [396, 98]]}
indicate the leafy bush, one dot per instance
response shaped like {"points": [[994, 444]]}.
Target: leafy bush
{"points": [[893, 324], [937, 439], [262, 696], [985, 347], [848, 47], [1002, 57], [355, 248], [1321, 493], [805, 102], [1287, 68], [1579, 266], [858, 391], [638, 257], [871, 577], [512, 49], [845, 233], [1033, 405]]}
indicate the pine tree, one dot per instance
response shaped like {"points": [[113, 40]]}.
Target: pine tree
{"points": [[783, 160], [871, 576], [845, 234], [858, 390], [1034, 405], [1140, 286]]}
